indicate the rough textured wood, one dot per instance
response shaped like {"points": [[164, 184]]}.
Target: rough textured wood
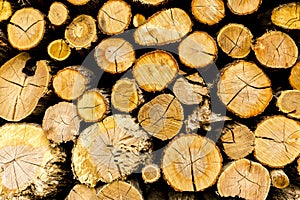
{"points": [[138, 19], [82, 192], [26, 34], [191, 163], [59, 50], [150, 173], [154, 71], [78, 2], [276, 49], [151, 2], [162, 117], [197, 50], [208, 12], [243, 83], [277, 141], [114, 17], [279, 178], [243, 7], [5, 10], [235, 40], [245, 179], [294, 77], [164, 27], [287, 16], [114, 55], [288, 102], [19, 93], [58, 13], [291, 192]]}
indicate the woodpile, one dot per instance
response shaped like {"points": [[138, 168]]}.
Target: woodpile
{"points": [[149, 99]]}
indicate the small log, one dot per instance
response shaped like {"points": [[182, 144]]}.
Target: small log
{"points": [[150, 173], [276, 49], [26, 34], [152, 2], [58, 13], [276, 141], [291, 192], [288, 102], [244, 7], [114, 55], [138, 20], [78, 2], [191, 163], [287, 16], [81, 32], [59, 50], [92, 106], [245, 179], [83, 192], [211, 12], [235, 40], [294, 77], [164, 27], [154, 71], [244, 89], [119, 190], [279, 178], [109, 150], [20, 93], [114, 17], [237, 141], [5, 10], [162, 117], [197, 50], [126, 95], [61, 122]]}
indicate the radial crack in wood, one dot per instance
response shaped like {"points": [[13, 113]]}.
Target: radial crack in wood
{"points": [[294, 77], [58, 13], [288, 102], [82, 192], [243, 7], [287, 16], [59, 50]]}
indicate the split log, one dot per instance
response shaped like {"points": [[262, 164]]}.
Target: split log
{"points": [[235, 40], [162, 117], [277, 141], [211, 12], [276, 49], [150, 173], [164, 27], [58, 13], [294, 77], [237, 141], [61, 122], [191, 163], [138, 20], [20, 93], [245, 179], [243, 83], [81, 32], [154, 71], [197, 50], [59, 50], [244, 7], [114, 55], [26, 34], [288, 102], [114, 17], [109, 150], [78, 2], [5, 10], [287, 16], [279, 178], [82, 192], [151, 2]]}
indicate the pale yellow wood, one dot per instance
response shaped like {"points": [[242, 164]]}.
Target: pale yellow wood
{"points": [[82, 192], [243, 7], [5, 10], [138, 19], [78, 2], [59, 50], [294, 77], [150, 173], [279, 178], [287, 16], [58, 13], [288, 102], [151, 2]]}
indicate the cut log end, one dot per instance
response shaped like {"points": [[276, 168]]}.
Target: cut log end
{"points": [[287, 16], [5, 10], [294, 77], [138, 20], [59, 50], [81, 191], [78, 2], [288, 102], [244, 7], [150, 173], [58, 13], [152, 2], [279, 178]]}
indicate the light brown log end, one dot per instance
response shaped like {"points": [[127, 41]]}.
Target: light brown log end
{"points": [[244, 7], [279, 178], [287, 16], [150, 173], [294, 77], [81, 191], [78, 2], [288, 102], [58, 13], [5, 10]]}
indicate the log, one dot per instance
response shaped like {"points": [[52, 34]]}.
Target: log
{"points": [[279, 178], [243, 83], [162, 117], [276, 141], [291, 192], [138, 20], [276, 49], [164, 27], [5, 10], [237, 141], [150, 173], [152, 2], [287, 16], [20, 93], [78, 2], [81, 32], [109, 150], [114, 17], [235, 40], [245, 179], [59, 50], [26, 34], [288, 102], [191, 163], [58, 13], [197, 50], [114, 55], [155, 70], [298, 165], [210, 13], [83, 192], [244, 7], [294, 77]]}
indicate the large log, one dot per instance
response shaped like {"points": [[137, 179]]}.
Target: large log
{"points": [[287, 15]]}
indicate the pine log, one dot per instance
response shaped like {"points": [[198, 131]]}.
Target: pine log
{"points": [[237, 141], [154, 71], [58, 13], [164, 27], [287, 16], [197, 50], [78, 2], [26, 34], [5, 10], [162, 117], [152, 2], [114, 17], [82, 192], [244, 89], [109, 150], [243, 7], [19, 93], [276, 49], [288, 102], [150, 173], [59, 50], [294, 77], [277, 141], [279, 178], [245, 179], [114, 55], [211, 12], [235, 40], [191, 163], [81, 32], [138, 20]]}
